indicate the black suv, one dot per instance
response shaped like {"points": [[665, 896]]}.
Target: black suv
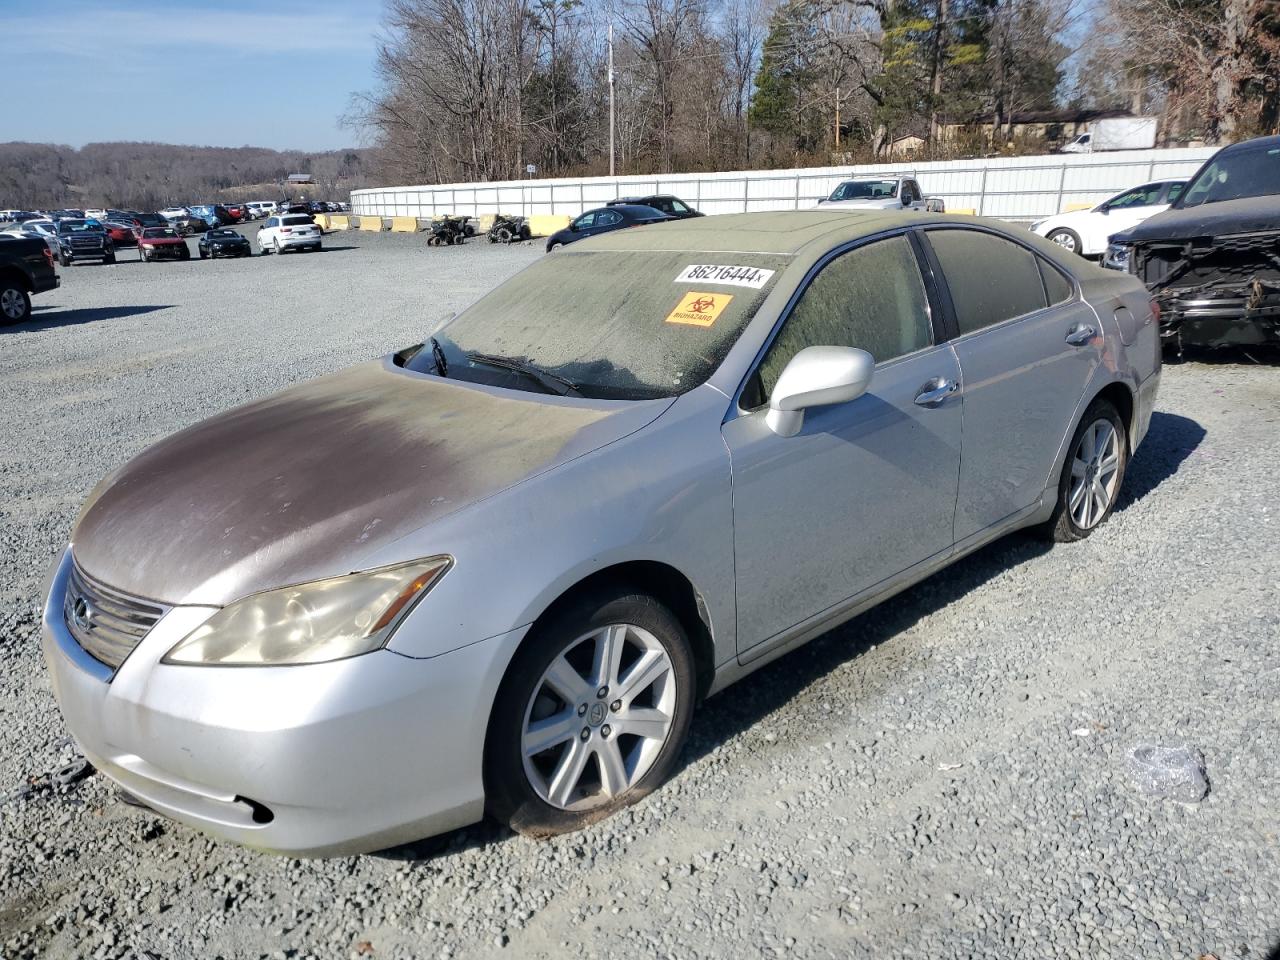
{"points": [[83, 240], [670, 205], [26, 267]]}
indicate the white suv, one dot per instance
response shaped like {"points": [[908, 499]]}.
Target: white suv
{"points": [[292, 231]]}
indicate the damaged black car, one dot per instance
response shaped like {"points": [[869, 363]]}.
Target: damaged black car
{"points": [[1212, 260]]}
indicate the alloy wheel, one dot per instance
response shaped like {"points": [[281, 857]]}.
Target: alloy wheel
{"points": [[12, 304], [1065, 240], [598, 717], [1095, 472]]}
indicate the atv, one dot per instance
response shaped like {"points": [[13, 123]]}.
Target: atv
{"points": [[447, 230], [509, 229]]}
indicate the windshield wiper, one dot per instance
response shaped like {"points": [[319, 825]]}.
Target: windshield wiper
{"points": [[551, 382], [437, 354]]}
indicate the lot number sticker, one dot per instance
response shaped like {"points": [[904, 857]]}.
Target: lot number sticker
{"points": [[721, 273], [699, 309]]}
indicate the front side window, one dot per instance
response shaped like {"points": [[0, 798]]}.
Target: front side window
{"points": [[585, 221], [1175, 191], [991, 279], [871, 297], [1140, 197]]}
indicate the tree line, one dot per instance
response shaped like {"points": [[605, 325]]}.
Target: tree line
{"points": [[148, 176], [480, 89]]}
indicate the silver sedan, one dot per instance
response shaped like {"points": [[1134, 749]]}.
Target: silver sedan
{"points": [[498, 570]]}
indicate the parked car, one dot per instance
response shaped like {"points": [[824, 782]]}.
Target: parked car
{"points": [[173, 213], [1210, 260], [224, 242], [235, 211], [162, 243], [191, 225], [882, 193], [215, 215], [672, 206], [289, 232], [141, 221], [26, 268], [67, 214], [121, 233], [1086, 231], [263, 208], [678, 458], [96, 213], [43, 230], [80, 239], [604, 220]]}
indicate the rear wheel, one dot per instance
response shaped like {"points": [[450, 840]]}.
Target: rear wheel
{"points": [[1092, 476], [15, 304], [591, 716], [275, 246], [1068, 240]]}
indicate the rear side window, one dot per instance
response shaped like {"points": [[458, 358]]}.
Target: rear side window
{"points": [[607, 218], [871, 298], [991, 279], [1056, 285]]}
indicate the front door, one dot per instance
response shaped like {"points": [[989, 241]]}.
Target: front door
{"points": [[867, 488]]}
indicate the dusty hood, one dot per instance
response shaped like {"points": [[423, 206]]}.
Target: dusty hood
{"points": [[1251, 215], [309, 482]]}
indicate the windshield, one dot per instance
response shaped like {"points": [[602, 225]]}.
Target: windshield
{"points": [[224, 233], [1235, 175], [78, 226], [865, 190], [622, 325], [155, 233]]}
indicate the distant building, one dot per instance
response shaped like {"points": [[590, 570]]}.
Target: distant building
{"points": [[1051, 126], [299, 178]]}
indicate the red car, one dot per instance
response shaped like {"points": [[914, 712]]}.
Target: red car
{"points": [[237, 211], [121, 234], [162, 243]]}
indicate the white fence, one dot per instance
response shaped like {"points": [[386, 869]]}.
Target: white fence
{"points": [[1014, 188]]}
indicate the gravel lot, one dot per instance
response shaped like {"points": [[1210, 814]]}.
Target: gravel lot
{"points": [[944, 776]]}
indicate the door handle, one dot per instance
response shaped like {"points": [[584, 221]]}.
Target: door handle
{"points": [[935, 391], [1080, 334]]}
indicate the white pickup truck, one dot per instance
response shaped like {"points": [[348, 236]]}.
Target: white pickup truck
{"points": [[891, 193]]}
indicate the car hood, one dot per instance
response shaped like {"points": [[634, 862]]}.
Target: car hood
{"points": [[311, 482], [1250, 215]]}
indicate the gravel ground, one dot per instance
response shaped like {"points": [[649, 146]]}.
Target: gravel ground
{"points": [[944, 776]]}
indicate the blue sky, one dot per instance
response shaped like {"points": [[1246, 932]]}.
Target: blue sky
{"points": [[210, 72]]}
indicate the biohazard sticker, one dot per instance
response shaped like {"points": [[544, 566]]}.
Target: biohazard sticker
{"points": [[699, 309], [724, 273]]}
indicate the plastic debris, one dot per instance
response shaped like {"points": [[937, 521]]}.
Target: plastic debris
{"points": [[1174, 773], [73, 772]]}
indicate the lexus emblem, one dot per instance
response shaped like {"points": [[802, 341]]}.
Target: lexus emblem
{"points": [[82, 613]]}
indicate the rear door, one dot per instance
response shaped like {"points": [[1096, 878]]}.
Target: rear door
{"points": [[1028, 346], [866, 489]]}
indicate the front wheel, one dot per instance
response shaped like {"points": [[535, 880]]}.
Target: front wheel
{"points": [[1068, 240], [591, 716], [1092, 476], [15, 304]]}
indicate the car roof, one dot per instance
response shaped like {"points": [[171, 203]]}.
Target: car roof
{"points": [[1257, 143], [778, 232]]}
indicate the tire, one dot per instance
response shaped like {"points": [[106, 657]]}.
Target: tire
{"points": [[1073, 520], [526, 233], [554, 247], [203, 255], [64, 259], [1068, 240], [142, 255], [523, 792], [110, 259], [15, 304], [505, 235], [275, 247]]}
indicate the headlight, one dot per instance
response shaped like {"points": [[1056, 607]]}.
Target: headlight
{"points": [[1035, 227], [1117, 256], [311, 622]]}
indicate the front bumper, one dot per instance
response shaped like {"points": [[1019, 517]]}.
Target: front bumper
{"points": [[1224, 317], [316, 760], [239, 250], [168, 251]]}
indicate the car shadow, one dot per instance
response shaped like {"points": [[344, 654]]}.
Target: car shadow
{"points": [[1169, 441], [51, 317]]}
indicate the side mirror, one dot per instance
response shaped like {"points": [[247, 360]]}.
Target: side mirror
{"points": [[573, 227], [816, 377]]}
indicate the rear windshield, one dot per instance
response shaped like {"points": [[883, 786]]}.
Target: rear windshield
{"points": [[296, 221], [616, 324]]}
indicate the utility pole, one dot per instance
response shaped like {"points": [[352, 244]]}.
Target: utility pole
{"points": [[611, 121], [837, 118]]}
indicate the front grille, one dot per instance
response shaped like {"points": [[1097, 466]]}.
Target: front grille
{"points": [[106, 623]]}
